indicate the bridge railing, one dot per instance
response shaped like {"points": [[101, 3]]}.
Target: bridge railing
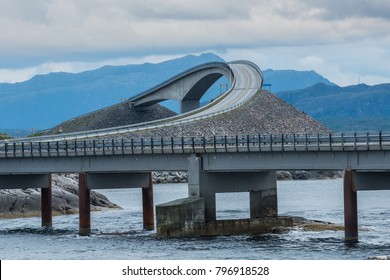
{"points": [[354, 141]]}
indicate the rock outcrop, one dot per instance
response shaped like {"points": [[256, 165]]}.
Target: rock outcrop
{"points": [[27, 202]]}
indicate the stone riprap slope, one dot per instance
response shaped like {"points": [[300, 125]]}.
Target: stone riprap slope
{"points": [[117, 115], [265, 114]]}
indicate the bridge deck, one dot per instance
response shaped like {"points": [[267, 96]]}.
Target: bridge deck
{"points": [[363, 151]]}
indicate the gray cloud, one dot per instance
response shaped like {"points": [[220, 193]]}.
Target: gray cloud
{"points": [[335, 9], [35, 32]]}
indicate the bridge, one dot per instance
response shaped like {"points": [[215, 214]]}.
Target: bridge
{"points": [[187, 87], [246, 77], [245, 163]]}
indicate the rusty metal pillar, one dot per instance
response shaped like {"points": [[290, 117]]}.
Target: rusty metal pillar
{"points": [[350, 208], [84, 206], [147, 205], [46, 202]]}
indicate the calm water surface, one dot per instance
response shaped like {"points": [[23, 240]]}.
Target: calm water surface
{"points": [[118, 234]]}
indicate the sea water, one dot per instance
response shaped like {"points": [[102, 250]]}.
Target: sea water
{"points": [[118, 234]]}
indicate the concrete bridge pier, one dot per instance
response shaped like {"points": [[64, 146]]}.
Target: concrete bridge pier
{"points": [[148, 205], [187, 105], [359, 181], [263, 203], [261, 186], [196, 215], [350, 207], [84, 206], [33, 181], [46, 204], [118, 180]]}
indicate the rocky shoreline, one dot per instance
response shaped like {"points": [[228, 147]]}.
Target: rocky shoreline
{"points": [[27, 202]]}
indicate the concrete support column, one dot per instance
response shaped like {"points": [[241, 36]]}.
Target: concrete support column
{"points": [[263, 203], [194, 169], [46, 204], [210, 213], [84, 205], [148, 205], [350, 208], [189, 105], [261, 186]]}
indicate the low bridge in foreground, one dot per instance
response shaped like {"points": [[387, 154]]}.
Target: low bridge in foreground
{"points": [[240, 163]]}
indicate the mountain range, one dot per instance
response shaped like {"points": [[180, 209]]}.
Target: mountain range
{"points": [[47, 100], [352, 108]]}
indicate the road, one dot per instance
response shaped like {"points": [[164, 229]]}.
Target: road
{"points": [[248, 80]]}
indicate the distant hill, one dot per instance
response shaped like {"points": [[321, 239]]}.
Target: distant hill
{"points": [[352, 108], [282, 80], [47, 100]]}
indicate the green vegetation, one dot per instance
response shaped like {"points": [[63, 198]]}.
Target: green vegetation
{"points": [[39, 133], [4, 136]]}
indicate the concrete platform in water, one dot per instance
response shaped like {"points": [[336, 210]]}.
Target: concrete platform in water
{"points": [[186, 218]]}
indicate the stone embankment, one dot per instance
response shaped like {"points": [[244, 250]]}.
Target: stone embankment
{"points": [[266, 113], [116, 115], [26, 203]]}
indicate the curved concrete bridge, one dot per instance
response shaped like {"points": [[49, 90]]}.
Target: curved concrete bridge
{"points": [[187, 87]]}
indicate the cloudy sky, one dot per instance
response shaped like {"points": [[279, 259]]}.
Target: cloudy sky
{"points": [[347, 41]]}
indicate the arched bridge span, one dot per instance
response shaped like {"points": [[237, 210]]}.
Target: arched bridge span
{"points": [[187, 87]]}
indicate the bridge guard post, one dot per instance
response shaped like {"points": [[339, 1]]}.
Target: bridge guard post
{"points": [[46, 204], [350, 207], [148, 205], [84, 206]]}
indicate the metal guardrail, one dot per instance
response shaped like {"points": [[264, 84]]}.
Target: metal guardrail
{"points": [[355, 141]]}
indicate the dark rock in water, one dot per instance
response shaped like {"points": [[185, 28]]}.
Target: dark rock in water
{"points": [[27, 202]]}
